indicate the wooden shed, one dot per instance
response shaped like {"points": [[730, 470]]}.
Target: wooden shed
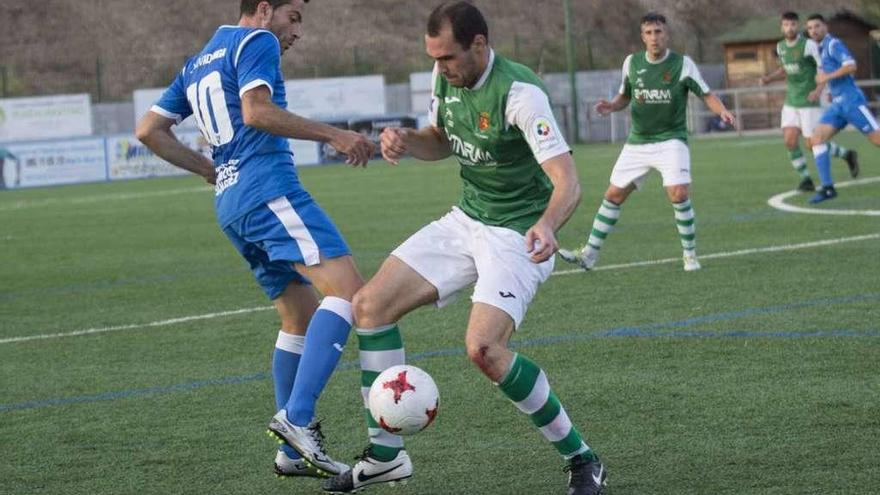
{"points": [[750, 52]]}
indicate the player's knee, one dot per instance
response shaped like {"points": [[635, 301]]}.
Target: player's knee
{"points": [[365, 308], [486, 356]]}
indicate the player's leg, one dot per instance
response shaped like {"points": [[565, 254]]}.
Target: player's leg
{"points": [[674, 164], [829, 126], [628, 174], [810, 118], [862, 119], [792, 125], [507, 283]]}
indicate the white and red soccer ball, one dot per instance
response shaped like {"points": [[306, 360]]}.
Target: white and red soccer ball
{"points": [[404, 400]]}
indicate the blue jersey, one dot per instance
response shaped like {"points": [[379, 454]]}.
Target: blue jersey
{"points": [[834, 55], [253, 167]]}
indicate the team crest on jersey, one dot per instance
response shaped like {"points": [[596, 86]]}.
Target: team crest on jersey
{"points": [[667, 77], [484, 121]]}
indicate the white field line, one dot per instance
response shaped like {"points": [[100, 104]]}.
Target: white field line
{"points": [[97, 198], [778, 201], [173, 321]]}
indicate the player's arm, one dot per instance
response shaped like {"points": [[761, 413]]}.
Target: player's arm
{"points": [[154, 131], [776, 75], [717, 107], [429, 144], [259, 111], [617, 104], [844, 70], [541, 238], [839, 52]]}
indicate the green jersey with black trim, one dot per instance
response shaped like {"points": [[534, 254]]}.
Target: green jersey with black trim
{"points": [[658, 93], [500, 131], [800, 61]]}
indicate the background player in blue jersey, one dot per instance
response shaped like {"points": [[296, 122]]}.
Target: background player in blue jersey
{"points": [[235, 91], [848, 105]]}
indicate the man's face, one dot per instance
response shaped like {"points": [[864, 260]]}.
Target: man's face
{"points": [[790, 29], [459, 66], [285, 22], [655, 38], [817, 29]]}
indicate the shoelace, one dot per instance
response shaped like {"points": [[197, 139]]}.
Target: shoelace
{"points": [[575, 474], [317, 435], [364, 456]]}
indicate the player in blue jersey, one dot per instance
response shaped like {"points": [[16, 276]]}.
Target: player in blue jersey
{"points": [[235, 91], [848, 104]]}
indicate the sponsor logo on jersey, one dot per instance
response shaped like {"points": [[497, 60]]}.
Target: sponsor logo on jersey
{"points": [[227, 176], [653, 96], [450, 123], [484, 121], [208, 58], [792, 68], [451, 99], [470, 154]]}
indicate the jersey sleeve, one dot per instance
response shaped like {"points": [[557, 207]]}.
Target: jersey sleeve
{"points": [[528, 109], [434, 107], [812, 50], [692, 78], [625, 85], [257, 61], [173, 103], [840, 52]]}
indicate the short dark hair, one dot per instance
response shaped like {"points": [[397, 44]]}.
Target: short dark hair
{"points": [[653, 18], [817, 17], [466, 20], [790, 16], [249, 7]]}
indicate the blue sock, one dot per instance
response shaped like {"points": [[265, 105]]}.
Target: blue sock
{"points": [[285, 361], [823, 164], [328, 331]]}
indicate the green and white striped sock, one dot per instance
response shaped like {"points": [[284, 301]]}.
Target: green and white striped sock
{"points": [[687, 229], [799, 162], [603, 224], [380, 349], [526, 385], [836, 150]]}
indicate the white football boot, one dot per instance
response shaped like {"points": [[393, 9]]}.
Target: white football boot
{"points": [[369, 471], [584, 257], [285, 467], [690, 262], [308, 441]]}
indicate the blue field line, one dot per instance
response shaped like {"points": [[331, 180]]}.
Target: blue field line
{"points": [[645, 331]]}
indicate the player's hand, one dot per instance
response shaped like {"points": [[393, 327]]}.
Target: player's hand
{"points": [[541, 242], [814, 95], [762, 81], [728, 118], [393, 143], [211, 178], [604, 107], [355, 146]]}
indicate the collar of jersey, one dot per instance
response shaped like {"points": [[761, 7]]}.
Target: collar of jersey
{"points": [[795, 42], [482, 80], [658, 61]]}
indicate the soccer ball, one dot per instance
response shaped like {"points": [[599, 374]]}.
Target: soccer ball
{"points": [[404, 400]]}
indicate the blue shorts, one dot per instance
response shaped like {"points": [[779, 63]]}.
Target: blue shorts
{"points": [[290, 229], [860, 116]]}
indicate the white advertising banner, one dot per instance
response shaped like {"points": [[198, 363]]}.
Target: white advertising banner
{"points": [[45, 117], [305, 153], [144, 99], [336, 97], [52, 163], [127, 158]]}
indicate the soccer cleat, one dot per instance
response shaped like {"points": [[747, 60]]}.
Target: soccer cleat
{"points": [[584, 257], [690, 262], [285, 467], [585, 476], [824, 194], [806, 185], [369, 471], [852, 162], [307, 440]]}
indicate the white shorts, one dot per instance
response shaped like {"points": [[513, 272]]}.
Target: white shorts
{"points": [[806, 119], [671, 158], [456, 251]]}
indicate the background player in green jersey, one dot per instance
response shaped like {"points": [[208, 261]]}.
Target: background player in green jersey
{"points": [[657, 82], [520, 186], [798, 62]]}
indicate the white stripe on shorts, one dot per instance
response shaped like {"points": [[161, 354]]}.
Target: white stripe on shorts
{"points": [[871, 119], [297, 229]]}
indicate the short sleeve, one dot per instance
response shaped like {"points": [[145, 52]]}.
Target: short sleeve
{"points": [[257, 61], [690, 74], [173, 103], [841, 53], [812, 50], [434, 107], [528, 109], [625, 86]]}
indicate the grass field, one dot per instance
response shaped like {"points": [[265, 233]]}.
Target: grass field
{"points": [[135, 347]]}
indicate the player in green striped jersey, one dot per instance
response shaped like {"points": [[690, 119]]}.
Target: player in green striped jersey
{"points": [[657, 82], [798, 62], [520, 185]]}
